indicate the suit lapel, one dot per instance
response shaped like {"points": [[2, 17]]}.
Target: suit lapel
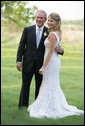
{"points": [[42, 37], [43, 33], [34, 36]]}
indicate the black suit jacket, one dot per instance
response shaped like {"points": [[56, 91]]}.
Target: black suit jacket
{"points": [[27, 52]]}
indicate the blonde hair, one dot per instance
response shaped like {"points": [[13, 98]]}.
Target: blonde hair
{"points": [[56, 18]]}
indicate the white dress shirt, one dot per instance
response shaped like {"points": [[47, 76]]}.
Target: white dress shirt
{"points": [[41, 30]]}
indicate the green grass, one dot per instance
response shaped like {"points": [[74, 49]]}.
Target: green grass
{"points": [[71, 79]]}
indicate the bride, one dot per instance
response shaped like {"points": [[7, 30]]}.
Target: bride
{"points": [[51, 102]]}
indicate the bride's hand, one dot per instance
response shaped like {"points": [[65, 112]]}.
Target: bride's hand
{"points": [[41, 70]]}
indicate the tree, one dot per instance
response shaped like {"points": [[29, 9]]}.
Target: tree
{"points": [[17, 12]]}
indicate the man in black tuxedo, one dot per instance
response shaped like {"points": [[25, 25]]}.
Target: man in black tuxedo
{"points": [[30, 56]]}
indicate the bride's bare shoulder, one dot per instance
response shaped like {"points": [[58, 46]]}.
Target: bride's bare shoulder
{"points": [[51, 35]]}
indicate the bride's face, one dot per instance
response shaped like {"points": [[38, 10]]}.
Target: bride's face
{"points": [[51, 23]]}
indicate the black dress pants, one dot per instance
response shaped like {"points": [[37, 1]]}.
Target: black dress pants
{"points": [[26, 81]]}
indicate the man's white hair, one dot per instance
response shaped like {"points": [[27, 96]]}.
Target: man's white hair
{"points": [[42, 11]]}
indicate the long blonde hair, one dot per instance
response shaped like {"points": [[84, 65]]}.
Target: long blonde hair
{"points": [[56, 18]]}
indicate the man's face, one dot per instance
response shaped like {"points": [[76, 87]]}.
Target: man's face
{"points": [[40, 19]]}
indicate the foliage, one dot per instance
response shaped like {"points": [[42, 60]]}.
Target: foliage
{"points": [[17, 12]]}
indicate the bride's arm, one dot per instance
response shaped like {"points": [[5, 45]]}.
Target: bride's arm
{"points": [[52, 40]]}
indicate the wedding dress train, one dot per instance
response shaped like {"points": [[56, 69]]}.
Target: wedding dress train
{"points": [[51, 102]]}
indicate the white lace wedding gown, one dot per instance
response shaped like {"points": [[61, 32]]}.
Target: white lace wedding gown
{"points": [[51, 102]]}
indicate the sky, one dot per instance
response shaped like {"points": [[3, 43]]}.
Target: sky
{"points": [[68, 10]]}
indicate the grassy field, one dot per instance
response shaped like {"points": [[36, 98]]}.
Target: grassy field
{"points": [[71, 79]]}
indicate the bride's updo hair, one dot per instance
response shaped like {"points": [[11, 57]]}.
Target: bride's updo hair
{"points": [[57, 19]]}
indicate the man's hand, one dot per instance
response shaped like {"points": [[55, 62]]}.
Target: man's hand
{"points": [[19, 66]]}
